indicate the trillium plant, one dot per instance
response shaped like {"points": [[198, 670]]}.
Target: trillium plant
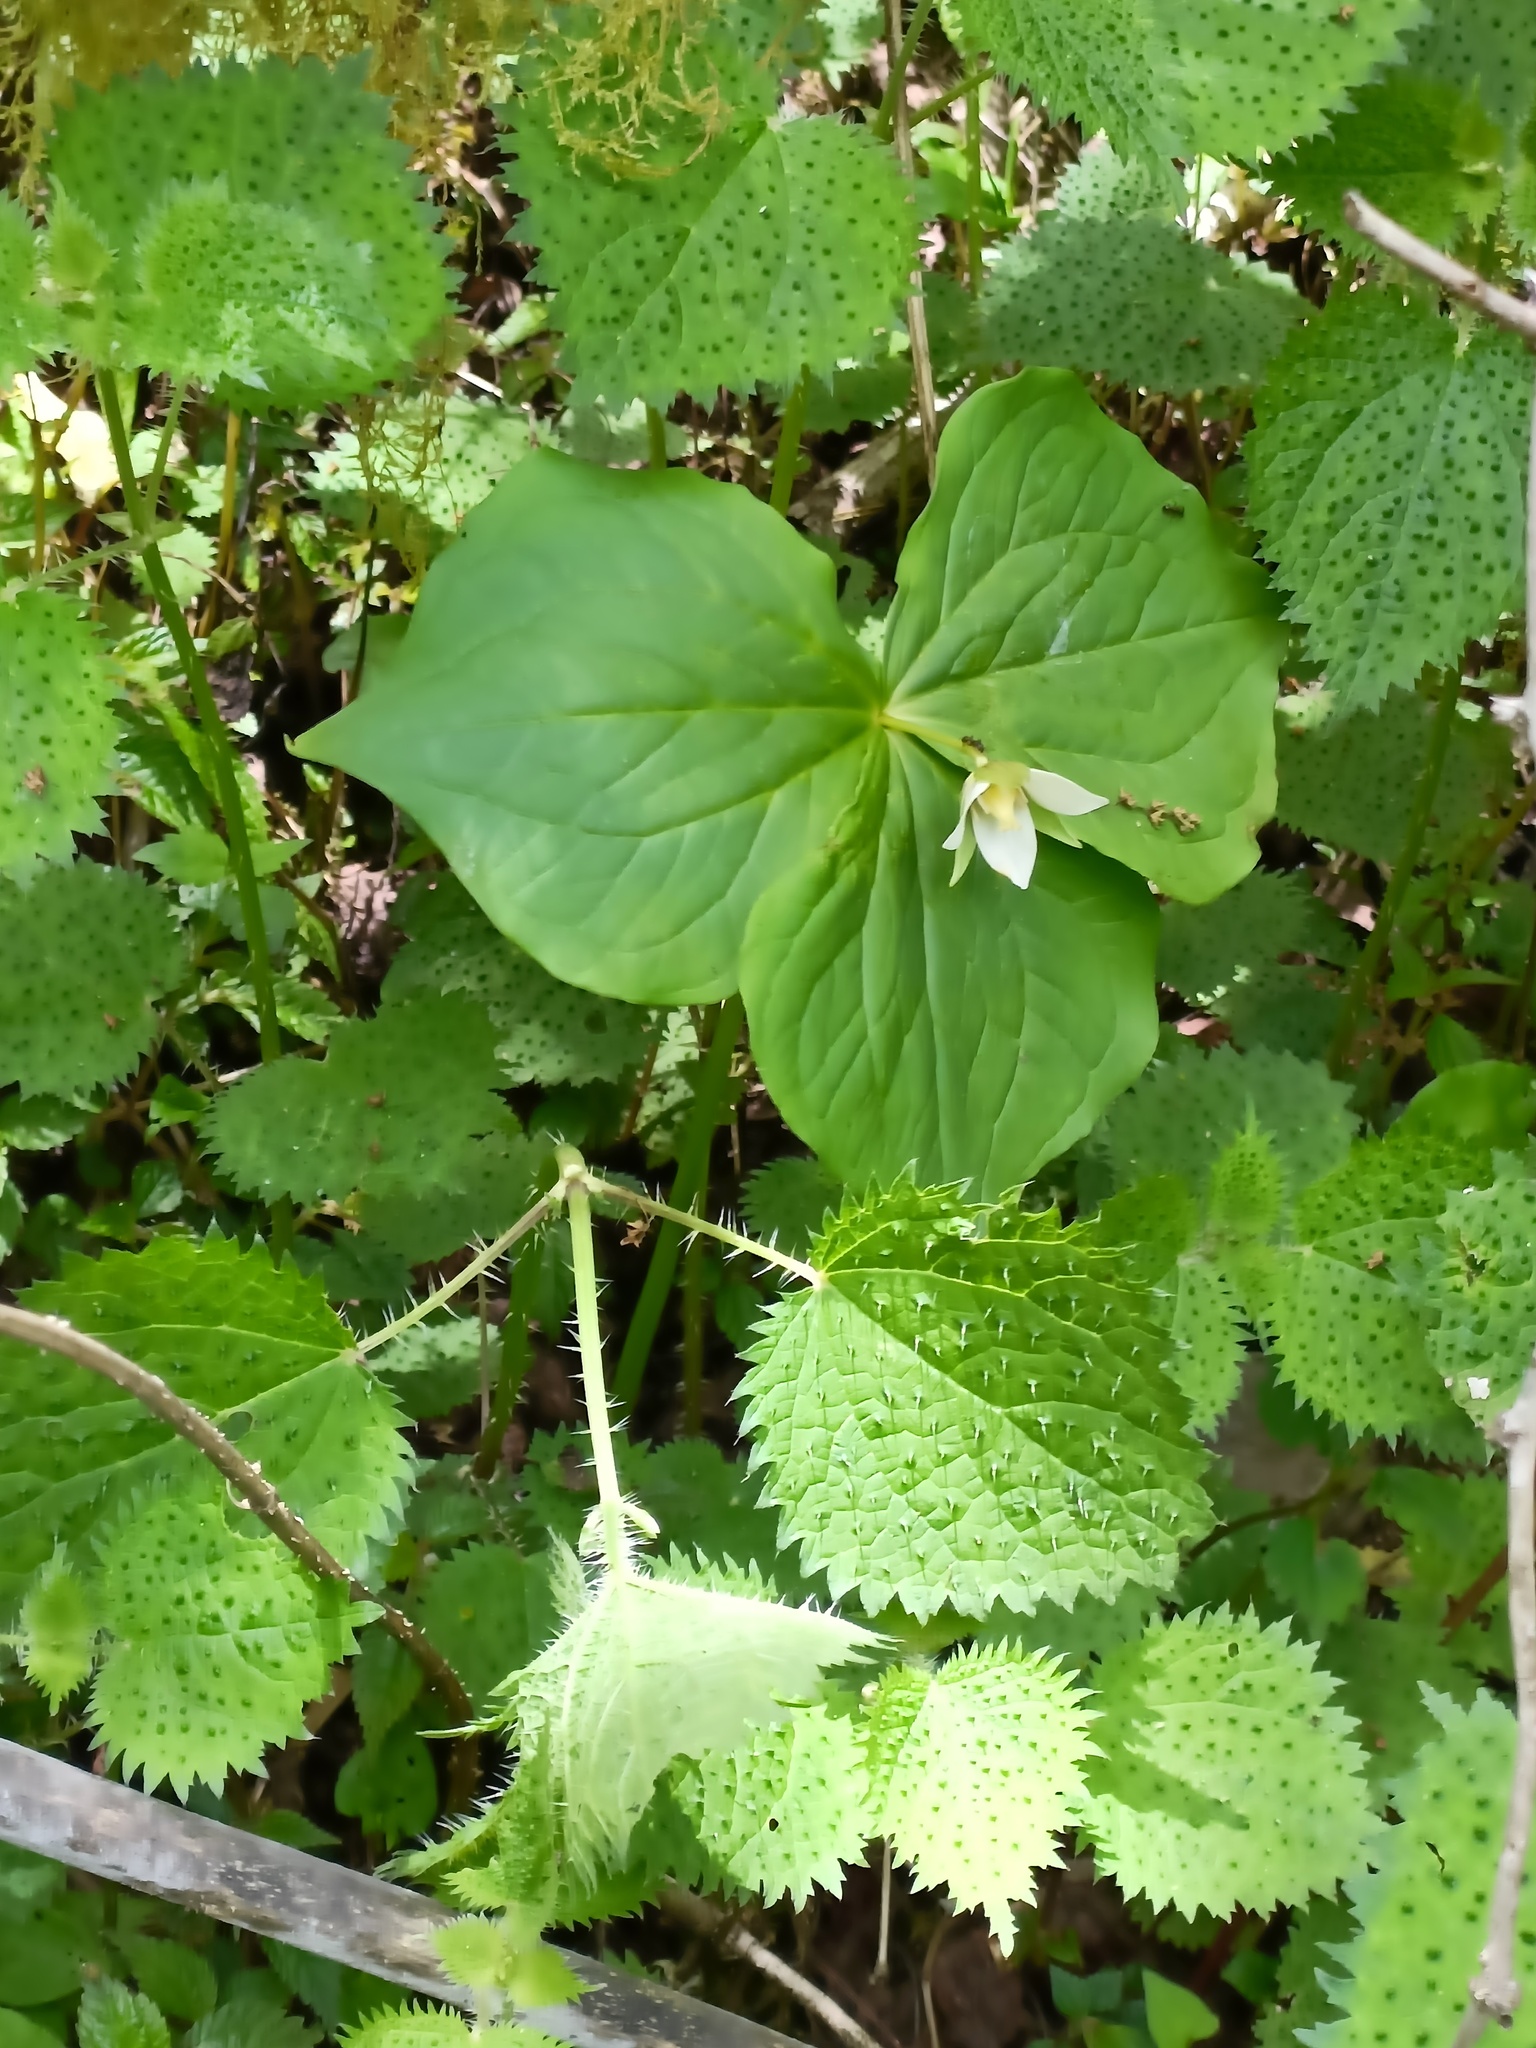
{"points": [[767, 1197]]}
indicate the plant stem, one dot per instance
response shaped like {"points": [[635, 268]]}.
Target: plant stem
{"points": [[904, 48], [916, 311], [216, 733], [787, 455], [156, 482], [1375, 948], [973, 190], [693, 1339], [1495, 1990], [594, 1385], [1518, 315], [962, 88], [515, 1353], [704, 1917], [692, 1164], [529, 1220], [39, 501], [687, 1220], [51, 1333], [656, 437]]}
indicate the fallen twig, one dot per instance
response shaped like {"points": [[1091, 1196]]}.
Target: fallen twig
{"points": [[703, 1917]]}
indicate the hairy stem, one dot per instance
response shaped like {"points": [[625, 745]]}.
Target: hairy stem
{"points": [[515, 1353], [51, 1333], [222, 753], [594, 1384], [1374, 951], [1496, 1988], [687, 1220], [787, 455], [692, 1165], [529, 1220]]}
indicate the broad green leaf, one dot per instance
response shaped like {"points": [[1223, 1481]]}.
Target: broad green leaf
{"points": [[1481, 46], [1225, 957], [1423, 151], [625, 704], [1384, 1668], [775, 247], [967, 1032], [975, 1769], [1177, 77], [56, 727], [1300, 2000], [972, 1408], [26, 330], [786, 1810], [1225, 1778], [390, 1786], [652, 1669], [267, 235], [253, 1345], [1207, 1340], [1423, 1911], [1064, 601], [1175, 2016], [88, 950], [1388, 480], [1120, 292], [424, 464], [786, 1202], [216, 1640], [1453, 1526], [489, 1611], [402, 1109], [1481, 1291], [546, 1030]]}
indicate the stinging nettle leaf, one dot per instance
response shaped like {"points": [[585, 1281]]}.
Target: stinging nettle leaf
{"points": [[975, 1768], [57, 728], [972, 1408], [1224, 1777], [1388, 480]]}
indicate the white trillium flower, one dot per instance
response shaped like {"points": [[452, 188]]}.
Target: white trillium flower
{"points": [[997, 815]]}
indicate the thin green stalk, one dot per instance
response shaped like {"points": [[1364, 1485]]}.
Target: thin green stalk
{"points": [[594, 1387], [515, 1354], [529, 1220], [693, 1339], [692, 1167], [156, 483], [973, 190], [687, 1220], [39, 500], [1374, 951], [787, 455], [973, 81], [216, 733], [656, 437], [885, 119]]}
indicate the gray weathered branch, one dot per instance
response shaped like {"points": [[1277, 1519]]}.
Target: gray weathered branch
{"points": [[1390, 236]]}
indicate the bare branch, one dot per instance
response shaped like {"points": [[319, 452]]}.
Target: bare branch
{"points": [[1390, 236], [1496, 1988], [52, 1333], [705, 1918]]}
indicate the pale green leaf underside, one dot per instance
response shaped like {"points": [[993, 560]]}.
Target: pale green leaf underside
{"points": [[777, 247], [1424, 1911], [1388, 481], [626, 701], [1065, 601], [981, 1422], [1134, 300], [966, 1032], [975, 1769], [1225, 1778], [56, 727]]}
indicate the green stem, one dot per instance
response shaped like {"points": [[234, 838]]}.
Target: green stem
{"points": [[693, 1339], [687, 1220], [216, 733], [973, 81], [594, 1387], [787, 455], [692, 1166], [656, 437], [973, 190], [1374, 951], [885, 120], [515, 1354], [156, 482], [39, 498], [529, 1220]]}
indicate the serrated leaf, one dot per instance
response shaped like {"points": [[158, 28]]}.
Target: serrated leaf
{"points": [[1481, 46], [786, 1202], [1425, 152], [663, 709], [1177, 77], [652, 1669], [267, 237], [1225, 957], [1183, 1114], [112, 2016], [57, 726], [1481, 1290], [26, 329], [774, 248], [252, 1345], [1134, 299], [1388, 479], [427, 2026], [972, 1408], [88, 951], [974, 1770], [423, 464], [1453, 1526], [402, 1109], [1206, 1365], [1301, 2001], [546, 1030], [59, 1626], [389, 1786], [489, 1611], [959, 1032], [1383, 1667], [1424, 1910], [786, 1810], [1225, 1779], [217, 1639], [1065, 602]]}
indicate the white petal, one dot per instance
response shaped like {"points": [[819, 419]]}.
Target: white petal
{"points": [[953, 843], [1057, 793], [970, 789], [1010, 849]]}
